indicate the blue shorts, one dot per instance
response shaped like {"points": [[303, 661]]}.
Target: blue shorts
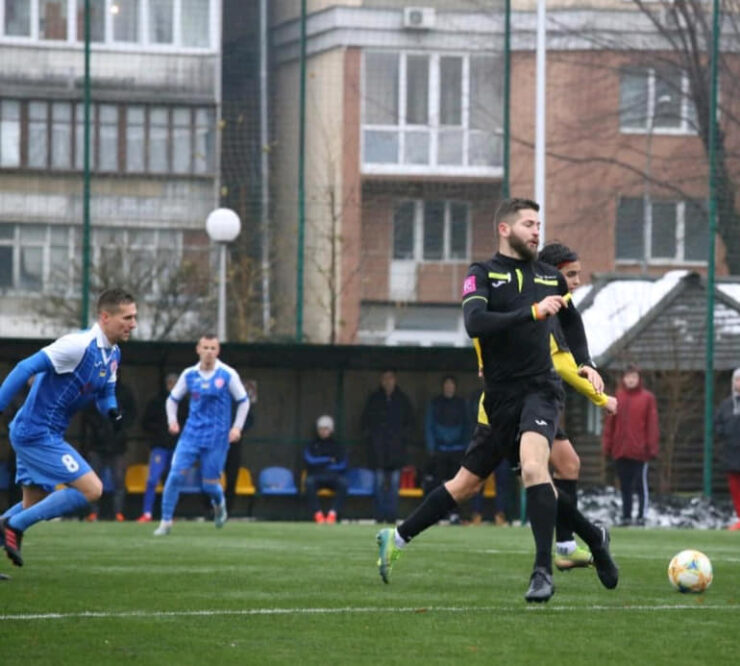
{"points": [[47, 461], [212, 458]]}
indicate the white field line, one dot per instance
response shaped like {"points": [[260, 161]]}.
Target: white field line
{"points": [[9, 617]]}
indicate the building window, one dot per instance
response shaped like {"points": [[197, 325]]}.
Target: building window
{"points": [[195, 23], [161, 25], [135, 130], [36, 257], [107, 137], [427, 113], [38, 134], [53, 19], [61, 135], [658, 101], [172, 23], [46, 258], [10, 133], [17, 18], [431, 231], [665, 232], [97, 20]]}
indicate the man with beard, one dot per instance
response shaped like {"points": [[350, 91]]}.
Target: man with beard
{"points": [[507, 301]]}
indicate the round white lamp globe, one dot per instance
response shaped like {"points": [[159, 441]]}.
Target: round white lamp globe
{"points": [[223, 225]]}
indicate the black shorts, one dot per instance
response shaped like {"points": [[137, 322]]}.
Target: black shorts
{"points": [[532, 405], [561, 434]]}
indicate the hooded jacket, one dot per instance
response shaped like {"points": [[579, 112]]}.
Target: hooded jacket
{"points": [[727, 427], [632, 432]]}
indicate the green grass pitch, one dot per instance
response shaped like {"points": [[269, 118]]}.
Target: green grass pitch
{"points": [[298, 593]]}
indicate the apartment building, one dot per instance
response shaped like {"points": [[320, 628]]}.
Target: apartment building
{"points": [[404, 154], [155, 93]]}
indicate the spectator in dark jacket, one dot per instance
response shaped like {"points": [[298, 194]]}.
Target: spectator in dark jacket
{"points": [[387, 424], [161, 443], [727, 428], [447, 431], [326, 465], [106, 444], [631, 438]]}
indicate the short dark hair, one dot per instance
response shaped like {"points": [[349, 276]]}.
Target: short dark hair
{"points": [[510, 206], [112, 299], [208, 335], [452, 378], [557, 254]]}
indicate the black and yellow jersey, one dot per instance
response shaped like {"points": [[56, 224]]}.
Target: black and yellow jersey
{"points": [[499, 296]]}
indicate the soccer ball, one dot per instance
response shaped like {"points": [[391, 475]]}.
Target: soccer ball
{"points": [[690, 571]]}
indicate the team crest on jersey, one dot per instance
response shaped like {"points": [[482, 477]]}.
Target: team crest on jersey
{"points": [[219, 383]]}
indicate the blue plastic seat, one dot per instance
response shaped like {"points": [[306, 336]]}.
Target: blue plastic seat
{"points": [[360, 482], [276, 481]]}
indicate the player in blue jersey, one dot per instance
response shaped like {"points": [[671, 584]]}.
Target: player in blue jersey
{"points": [[208, 430], [70, 373]]}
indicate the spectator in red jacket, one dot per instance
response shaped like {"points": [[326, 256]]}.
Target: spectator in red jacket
{"points": [[631, 438]]}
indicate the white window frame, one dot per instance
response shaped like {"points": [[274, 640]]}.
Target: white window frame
{"points": [[143, 43], [433, 127], [685, 128], [48, 281], [418, 252], [680, 231]]}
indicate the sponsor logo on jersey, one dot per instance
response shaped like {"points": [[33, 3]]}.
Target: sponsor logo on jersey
{"points": [[469, 285]]}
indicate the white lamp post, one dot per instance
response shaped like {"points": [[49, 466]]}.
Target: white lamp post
{"points": [[223, 226]]}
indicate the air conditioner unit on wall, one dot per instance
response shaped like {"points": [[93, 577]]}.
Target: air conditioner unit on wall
{"points": [[418, 18]]}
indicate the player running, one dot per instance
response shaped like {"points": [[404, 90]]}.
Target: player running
{"points": [[70, 373], [208, 431]]}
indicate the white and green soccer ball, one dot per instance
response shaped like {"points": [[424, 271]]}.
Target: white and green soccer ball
{"points": [[690, 571]]}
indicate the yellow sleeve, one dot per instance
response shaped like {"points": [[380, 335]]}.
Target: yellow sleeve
{"points": [[565, 366], [478, 355]]}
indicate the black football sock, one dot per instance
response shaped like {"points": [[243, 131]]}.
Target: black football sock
{"points": [[574, 519], [435, 507], [568, 487], [542, 509]]}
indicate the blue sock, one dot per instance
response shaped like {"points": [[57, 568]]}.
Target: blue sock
{"points": [[171, 494], [58, 503], [215, 492], [13, 510]]}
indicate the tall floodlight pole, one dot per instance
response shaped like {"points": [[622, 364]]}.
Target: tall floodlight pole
{"points": [[540, 108], [264, 173], [709, 355], [301, 180], [85, 304]]}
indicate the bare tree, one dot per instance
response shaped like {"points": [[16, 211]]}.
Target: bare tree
{"points": [[683, 41], [176, 299]]}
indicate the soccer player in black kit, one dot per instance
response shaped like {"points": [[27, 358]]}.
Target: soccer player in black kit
{"points": [[506, 302]]}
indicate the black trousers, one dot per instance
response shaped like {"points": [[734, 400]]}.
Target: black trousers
{"points": [[632, 479]]}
